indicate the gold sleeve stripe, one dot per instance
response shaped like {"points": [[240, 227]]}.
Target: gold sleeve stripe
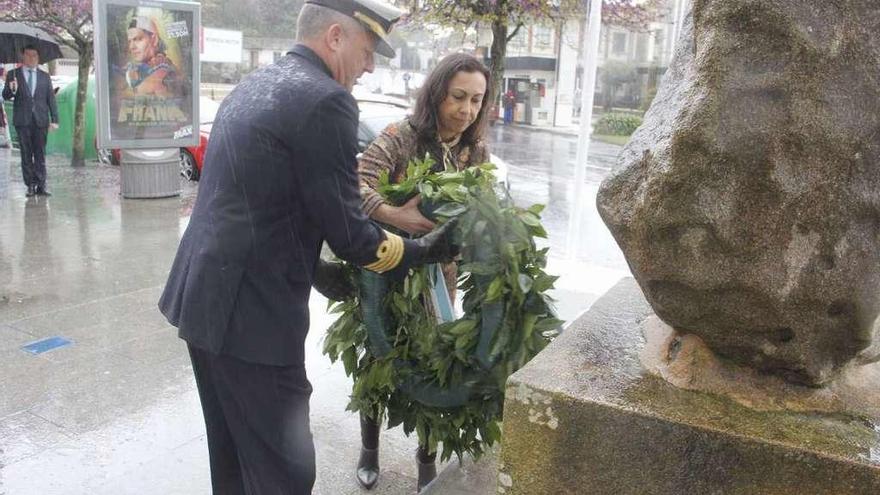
{"points": [[390, 253]]}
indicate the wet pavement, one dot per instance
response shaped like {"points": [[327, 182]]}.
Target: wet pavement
{"points": [[116, 411], [542, 170]]}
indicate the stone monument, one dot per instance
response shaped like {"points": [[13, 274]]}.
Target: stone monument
{"points": [[748, 208]]}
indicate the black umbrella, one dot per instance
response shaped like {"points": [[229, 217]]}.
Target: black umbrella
{"points": [[14, 36]]}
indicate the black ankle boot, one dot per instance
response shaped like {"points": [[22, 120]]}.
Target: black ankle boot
{"points": [[368, 463], [427, 467]]}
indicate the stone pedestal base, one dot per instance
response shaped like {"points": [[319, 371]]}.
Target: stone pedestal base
{"points": [[586, 416]]}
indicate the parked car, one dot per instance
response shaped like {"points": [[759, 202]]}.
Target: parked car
{"points": [[191, 157]]}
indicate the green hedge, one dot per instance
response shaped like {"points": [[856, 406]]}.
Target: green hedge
{"points": [[618, 124]]}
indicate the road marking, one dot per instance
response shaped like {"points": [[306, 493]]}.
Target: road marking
{"points": [[46, 345]]}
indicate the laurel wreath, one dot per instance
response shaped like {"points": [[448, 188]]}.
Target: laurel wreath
{"points": [[446, 381]]}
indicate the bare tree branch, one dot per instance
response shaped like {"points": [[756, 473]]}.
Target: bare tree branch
{"points": [[514, 32]]}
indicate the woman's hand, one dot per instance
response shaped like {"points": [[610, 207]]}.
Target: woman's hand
{"points": [[407, 217]]}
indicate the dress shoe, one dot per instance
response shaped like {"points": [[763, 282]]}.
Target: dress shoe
{"points": [[367, 473], [427, 467], [31, 191], [41, 191]]}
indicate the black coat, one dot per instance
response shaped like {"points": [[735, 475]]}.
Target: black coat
{"points": [[38, 110], [280, 177]]}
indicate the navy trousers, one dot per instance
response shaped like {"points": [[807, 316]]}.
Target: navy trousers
{"points": [[32, 144], [257, 420]]}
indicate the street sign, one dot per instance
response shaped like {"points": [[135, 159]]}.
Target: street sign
{"points": [[221, 45]]}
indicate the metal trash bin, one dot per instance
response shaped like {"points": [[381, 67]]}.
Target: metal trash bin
{"points": [[150, 173]]}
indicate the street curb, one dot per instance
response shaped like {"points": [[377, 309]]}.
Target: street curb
{"points": [[558, 132], [549, 130]]}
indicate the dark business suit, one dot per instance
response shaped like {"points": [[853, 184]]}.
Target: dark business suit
{"points": [[280, 178], [33, 110]]}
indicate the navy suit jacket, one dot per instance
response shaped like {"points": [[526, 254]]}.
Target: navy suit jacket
{"points": [[280, 178], [27, 110]]}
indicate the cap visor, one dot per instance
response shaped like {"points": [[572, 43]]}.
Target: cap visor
{"points": [[384, 49]]}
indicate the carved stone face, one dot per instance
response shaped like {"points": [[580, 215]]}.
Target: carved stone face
{"points": [[748, 204]]}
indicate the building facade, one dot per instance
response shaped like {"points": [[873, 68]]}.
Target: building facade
{"points": [[543, 66]]}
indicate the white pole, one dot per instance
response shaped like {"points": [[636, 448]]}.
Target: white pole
{"points": [[682, 7], [590, 54]]}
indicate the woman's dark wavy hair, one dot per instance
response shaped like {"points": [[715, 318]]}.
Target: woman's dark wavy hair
{"points": [[425, 116]]}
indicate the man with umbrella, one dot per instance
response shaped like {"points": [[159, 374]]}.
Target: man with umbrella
{"points": [[33, 113]]}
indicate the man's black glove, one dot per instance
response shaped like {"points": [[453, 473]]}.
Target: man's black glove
{"points": [[332, 281], [436, 246]]}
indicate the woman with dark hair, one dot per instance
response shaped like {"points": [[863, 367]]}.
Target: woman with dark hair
{"points": [[448, 123]]}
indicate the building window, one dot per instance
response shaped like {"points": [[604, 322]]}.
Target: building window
{"points": [[642, 47], [659, 46], [618, 44], [543, 37]]}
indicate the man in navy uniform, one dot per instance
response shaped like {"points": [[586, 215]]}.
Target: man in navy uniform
{"points": [[34, 112], [280, 178]]}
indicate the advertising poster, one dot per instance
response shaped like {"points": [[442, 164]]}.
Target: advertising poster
{"points": [[147, 70]]}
